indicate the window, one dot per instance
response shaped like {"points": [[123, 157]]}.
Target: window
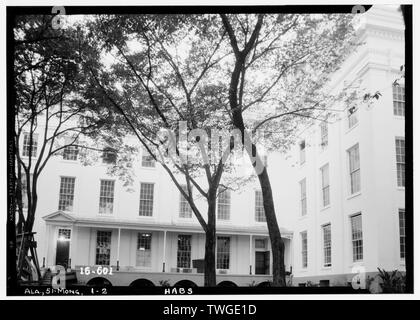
{"points": [[401, 216], [357, 237], [398, 97], [259, 207], [223, 205], [146, 199], [303, 197], [146, 159], [325, 180], [352, 116], [184, 251], [326, 230], [70, 153], [185, 210], [103, 247], [400, 152], [106, 196], [27, 147], [109, 155], [324, 134], [66, 196], [64, 234], [354, 163], [304, 239], [302, 147], [144, 250], [260, 244], [223, 253]]}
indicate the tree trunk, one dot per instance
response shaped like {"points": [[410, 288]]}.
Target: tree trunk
{"points": [[277, 244], [210, 247]]}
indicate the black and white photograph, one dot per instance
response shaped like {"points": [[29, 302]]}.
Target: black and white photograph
{"points": [[208, 150]]}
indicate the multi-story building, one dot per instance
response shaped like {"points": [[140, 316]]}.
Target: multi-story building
{"points": [[88, 218], [350, 204], [339, 197]]}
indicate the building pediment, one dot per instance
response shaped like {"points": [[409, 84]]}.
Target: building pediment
{"points": [[59, 216]]}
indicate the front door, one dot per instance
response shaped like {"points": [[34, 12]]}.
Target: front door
{"points": [[262, 262], [63, 248]]}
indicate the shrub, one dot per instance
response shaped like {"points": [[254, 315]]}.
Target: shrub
{"points": [[392, 282]]}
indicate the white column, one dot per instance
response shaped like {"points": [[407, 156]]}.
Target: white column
{"points": [[118, 249], [250, 254], [164, 251]]}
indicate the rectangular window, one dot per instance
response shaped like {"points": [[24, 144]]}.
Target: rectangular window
{"points": [[325, 180], [304, 239], [106, 196], [326, 230], [357, 237], [223, 253], [401, 216], [109, 155], [185, 210], [259, 207], [27, 147], [398, 97], [324, 134], [144, 250], [184, 251], [146, 199], [223, 205], [260, 244], [66, 196], [400, 152], [303, 197], [64, 234], [354, 165], [146, 159], [70, 153], [352, 116], [302, 147], [103, 248]]}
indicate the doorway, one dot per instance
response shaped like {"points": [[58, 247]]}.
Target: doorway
{"points": [[262, 262], [63, 248]]}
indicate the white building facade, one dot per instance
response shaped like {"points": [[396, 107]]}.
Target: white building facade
{"points": [[339, 199], [350, 169]]}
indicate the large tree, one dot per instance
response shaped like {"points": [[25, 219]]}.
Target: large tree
{"points": [[253, 72], [163, 75], [50, 114], [282, 63]]}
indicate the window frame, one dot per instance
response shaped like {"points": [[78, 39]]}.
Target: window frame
{"points": [[355, 172], [60, 194], [325, 187], [398, 104], [400, 161], [221, 255], [103, 197], [148, 200], [402, 235], [26, 146], [103, 232], [223, 205], [304, 249], [327, 245], [259, 207], [357, 255], [303, 198], [181, 254], [145, 258]]}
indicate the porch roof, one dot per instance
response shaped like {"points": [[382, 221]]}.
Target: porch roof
{"points": [[60, 217]]}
